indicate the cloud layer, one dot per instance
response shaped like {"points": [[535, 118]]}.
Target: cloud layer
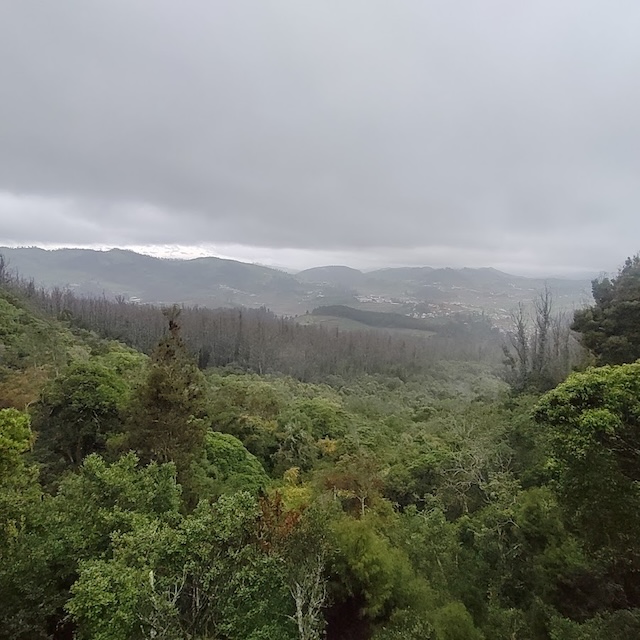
{"points": [[384, 132]]}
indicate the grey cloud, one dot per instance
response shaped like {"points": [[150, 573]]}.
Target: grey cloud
{"points": [[485, 128]]}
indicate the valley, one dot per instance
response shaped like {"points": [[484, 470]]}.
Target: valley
{"points": [[418, 292]]}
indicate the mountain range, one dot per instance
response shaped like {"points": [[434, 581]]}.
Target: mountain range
{"points": [[216, 282]]}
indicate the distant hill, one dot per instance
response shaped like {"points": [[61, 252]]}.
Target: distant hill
{"points": [[204, 281], [483, 276], [419, 292], [402, 274], [337, 276]]}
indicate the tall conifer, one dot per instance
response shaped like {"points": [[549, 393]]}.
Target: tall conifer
{"points": [[167, 414]]}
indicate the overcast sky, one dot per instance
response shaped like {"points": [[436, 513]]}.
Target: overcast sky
{"points": [[301, 132]]}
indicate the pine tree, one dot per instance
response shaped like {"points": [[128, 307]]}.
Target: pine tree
{"points": [[610, 329], [167, 417]]}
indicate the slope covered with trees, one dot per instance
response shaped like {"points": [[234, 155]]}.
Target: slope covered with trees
{"points": [[258, 340], [142, 497]]}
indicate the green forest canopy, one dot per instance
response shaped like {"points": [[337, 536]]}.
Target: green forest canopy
{"points": [[142, 497]]}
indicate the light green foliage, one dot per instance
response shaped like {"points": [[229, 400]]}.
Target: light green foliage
{"points": [[104, 498], [453, 622], [296, 447], [18, 486], [107, 601], [593, 423], [357, 480], [321, 417], [27, 340], [226, 467], [371, 568], [460, 455], [57, 533], [246, 394], [247, 408], [19, 498], [99, 502], [405, 624], [432, 545], [15, 439], [128, 364], [301, 426], [24, 592]]}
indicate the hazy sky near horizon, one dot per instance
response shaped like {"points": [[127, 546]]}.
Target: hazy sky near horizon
{"points": [[366, 132]]}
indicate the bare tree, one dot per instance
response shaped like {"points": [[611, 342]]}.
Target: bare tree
{"points": [[517, 352], [308, 589], [540, 346], [540, 350]]}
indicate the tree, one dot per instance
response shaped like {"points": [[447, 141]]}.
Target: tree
{"points": [[227, 467], [369, 573], [358, 477], [166, 419], [54, 535], [593, 423], [196, 576], [453, 622], [540, 351], [15, 439], [17, 479], [298, 536], [611, 327], [78, 411]]}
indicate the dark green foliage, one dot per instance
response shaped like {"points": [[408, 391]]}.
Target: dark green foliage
{"points": [[15, 439], [77, 413], [166, 420], [54, 534], [453, 622], [378, 319], [620, 625], [203, 576], [611, 327]]}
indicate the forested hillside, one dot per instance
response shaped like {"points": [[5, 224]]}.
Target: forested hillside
{"points": [[260, 341], [386, 320], [215, 282], [304, 483]]}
